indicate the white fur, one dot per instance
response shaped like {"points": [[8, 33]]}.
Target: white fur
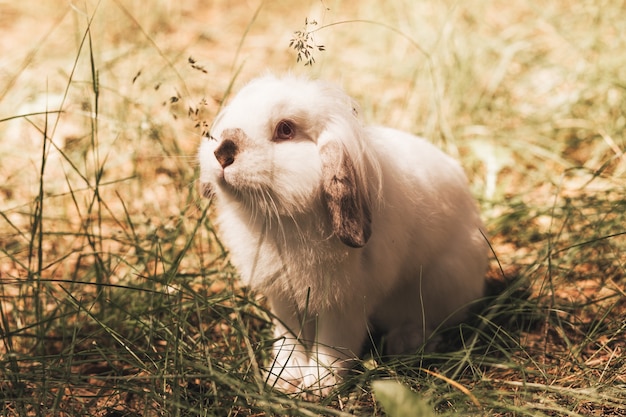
{"points": [[422, 264]]}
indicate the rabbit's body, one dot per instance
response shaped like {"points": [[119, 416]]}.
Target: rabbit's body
{"points": [[340, 226]]}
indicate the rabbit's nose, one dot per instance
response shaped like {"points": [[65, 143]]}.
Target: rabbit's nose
{"points": [[225, 153]]}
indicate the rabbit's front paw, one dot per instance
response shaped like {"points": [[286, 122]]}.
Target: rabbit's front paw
{"points": [[283, 383], [285, 373], [312, 382], [314, 389]]}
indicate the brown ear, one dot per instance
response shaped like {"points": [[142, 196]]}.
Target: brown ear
{"points": [[349, 211]]}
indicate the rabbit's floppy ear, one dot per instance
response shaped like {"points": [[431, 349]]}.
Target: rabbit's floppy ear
{"points": [[348, 207]]}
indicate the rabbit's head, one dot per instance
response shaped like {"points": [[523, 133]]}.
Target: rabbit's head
{"points": [[288, 147]]}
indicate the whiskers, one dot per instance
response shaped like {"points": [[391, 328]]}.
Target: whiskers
{"points": [[266, 208]]}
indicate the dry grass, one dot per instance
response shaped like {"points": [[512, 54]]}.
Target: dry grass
{"points": [[116, 297]]}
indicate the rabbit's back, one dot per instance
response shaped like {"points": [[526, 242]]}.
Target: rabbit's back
{"points": [[427, 242]]}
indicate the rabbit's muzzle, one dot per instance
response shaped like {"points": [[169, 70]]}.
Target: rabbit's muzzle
{"points": [[228, 149]]}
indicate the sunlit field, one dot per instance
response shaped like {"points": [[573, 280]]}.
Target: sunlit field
{"points": [[117, 297]]}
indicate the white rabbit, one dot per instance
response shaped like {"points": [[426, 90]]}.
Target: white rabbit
{"points": [[342, 227]]}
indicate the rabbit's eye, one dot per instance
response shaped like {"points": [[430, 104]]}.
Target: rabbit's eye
{"points": [[284, 130]]}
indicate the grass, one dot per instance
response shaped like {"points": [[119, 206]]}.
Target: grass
{"points": [[116, 295]]}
